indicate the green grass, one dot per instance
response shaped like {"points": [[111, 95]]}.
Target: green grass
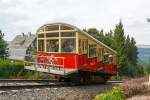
{"points": [[15, 70], [10, 69], [116, 93]]}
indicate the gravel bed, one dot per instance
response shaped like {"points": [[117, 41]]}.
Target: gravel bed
{"points": [[61, 93], [139, 97]]}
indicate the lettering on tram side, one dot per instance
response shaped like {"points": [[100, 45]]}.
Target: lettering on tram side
{"points": [[47, 62]]}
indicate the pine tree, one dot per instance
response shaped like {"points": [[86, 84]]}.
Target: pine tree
{"points": [[134, 52], [119, 45], [3, 45], [93, 31], [108, 38]]}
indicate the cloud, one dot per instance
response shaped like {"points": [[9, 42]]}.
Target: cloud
{"points": [[18, 16]]}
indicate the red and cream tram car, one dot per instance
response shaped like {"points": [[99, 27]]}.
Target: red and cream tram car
{"points": [[66, 51]]}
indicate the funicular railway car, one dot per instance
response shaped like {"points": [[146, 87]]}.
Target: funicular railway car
{"points": [[72, 54]]}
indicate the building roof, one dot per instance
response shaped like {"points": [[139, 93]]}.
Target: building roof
{"points": [[85, 33], [19, 45]]}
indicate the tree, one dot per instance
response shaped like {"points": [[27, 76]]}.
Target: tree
{"points": [[108, 38], [119, 45], [148, 67], [3, 45], [133, 52], [93, 31]]}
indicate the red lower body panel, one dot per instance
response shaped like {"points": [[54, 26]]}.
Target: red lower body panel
{"points": [[75, 61]]}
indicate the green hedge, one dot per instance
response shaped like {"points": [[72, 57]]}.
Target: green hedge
{"points": [[15, 70], [116, 93], [9, 69]]}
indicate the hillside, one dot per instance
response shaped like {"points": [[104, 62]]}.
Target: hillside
{"points": [[144, 53]]}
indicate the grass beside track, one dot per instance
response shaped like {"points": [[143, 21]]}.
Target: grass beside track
{"points": [[15, 70]]}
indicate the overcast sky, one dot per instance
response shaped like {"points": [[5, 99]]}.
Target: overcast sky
{"points": [[18, 16]]}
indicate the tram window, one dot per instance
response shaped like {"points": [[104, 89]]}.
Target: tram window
{"points": [[100, 54], [41, 29], [68, 34], [92, 50], [68, 45], [52, 28], [52, 34], [40, 35], [110, 59], [106, 57], [40, 45], [65, 28], [83, 46], [52, 45]]}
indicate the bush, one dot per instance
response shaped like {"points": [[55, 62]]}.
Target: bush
{"points": [[116, 77], [15, 70], [135, 86], [9, 69], [116, 93]]}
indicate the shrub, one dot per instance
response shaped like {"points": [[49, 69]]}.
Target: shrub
{"points": [[9, 69], [135, 86], [15, 70], [116, 93], [116, 77]]}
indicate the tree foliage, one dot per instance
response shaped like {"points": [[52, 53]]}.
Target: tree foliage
{"points": [[3, 45], [125, 47], [148, 67]]}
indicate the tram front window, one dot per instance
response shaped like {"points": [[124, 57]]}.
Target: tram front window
{"points": [[52, 45], [68, 45]]}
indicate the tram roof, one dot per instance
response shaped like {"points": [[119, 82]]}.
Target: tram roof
{"points": [[85, 33]]}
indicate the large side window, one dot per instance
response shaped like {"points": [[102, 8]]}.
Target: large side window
{"points": [[68, 34], [40, 45], [83, 46], [52, 35], [92, 50], [106, 57], [110, 59], [68, 45], [52, 45], [100, 54], [40, 35]]}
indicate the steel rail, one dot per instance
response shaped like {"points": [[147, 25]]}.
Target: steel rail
{"points": [[11, 87], [25, 81], [46, 84]]}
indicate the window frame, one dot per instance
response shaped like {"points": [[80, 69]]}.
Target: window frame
{"points": [[68, 38], [83, 46], [43, 45], [89, 51], [52, 39]]}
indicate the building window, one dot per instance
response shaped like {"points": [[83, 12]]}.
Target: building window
{"points": [[67, 34], [40, 45], [68, 45], [52, 45], [92, 50]]}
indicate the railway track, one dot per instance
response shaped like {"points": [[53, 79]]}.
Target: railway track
{"points": [[25, 81], [6, 84]]}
